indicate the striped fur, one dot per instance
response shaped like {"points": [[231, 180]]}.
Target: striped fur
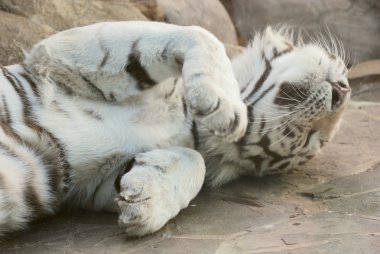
{"points": [[94, 113]]}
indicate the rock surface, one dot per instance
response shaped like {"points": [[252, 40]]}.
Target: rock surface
{"points": [[23, 23], [209, 14], [16, 36], [330, 206], [355, 23], [364, 80]]}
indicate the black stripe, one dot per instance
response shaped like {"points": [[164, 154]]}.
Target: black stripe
{"points": [[6, 123], [93, 87], [277, 54], [283, 165], [104, 59], [66, 88], [263, 94], [265, 143], [6, 74], [242, 141], [10, 132], [184, 107], [8, 150], [112, 96], [261, 80], [33, 201], [194, 131], [257, 161], [125, 169], [7, 117], [91, 113], [3, 186], [32, 84], [137, 71]]}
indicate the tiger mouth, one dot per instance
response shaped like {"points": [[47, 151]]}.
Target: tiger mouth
{"points": [[339, 94]]}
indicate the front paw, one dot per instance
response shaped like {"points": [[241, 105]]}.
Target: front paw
{"points": [[140, 204], [137, 206], [229, 120], [159, 185], [222, 114]]}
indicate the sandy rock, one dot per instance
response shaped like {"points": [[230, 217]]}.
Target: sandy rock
{"points": [[34, 20], [355, 23], [16, 36], [150, 9], [364, 79], [233, 50], [367, 68], [209, 14], [66, 14]]}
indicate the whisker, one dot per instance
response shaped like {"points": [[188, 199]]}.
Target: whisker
{"points": [[282, 126], [271, 106], [276, 113], [284, 137], [298, 90], [266, 130]]}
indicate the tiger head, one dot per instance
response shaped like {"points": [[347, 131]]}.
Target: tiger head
{"points": [[295, 103], [295, 95]]}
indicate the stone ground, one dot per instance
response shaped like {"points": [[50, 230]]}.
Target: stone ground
{"points": [[330, 206]]}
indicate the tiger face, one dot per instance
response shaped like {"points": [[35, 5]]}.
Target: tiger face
{"points": [[295, 102]]}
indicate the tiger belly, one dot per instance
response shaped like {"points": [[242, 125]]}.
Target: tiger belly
{"points": [[55, 149], [99, 138]]}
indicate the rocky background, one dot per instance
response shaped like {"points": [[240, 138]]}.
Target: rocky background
{"points": [[355, 22], [332, 205]]}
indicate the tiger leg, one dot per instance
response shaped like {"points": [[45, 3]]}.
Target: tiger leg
{"points": [[155, 186], [28, 188], [116, 61]]}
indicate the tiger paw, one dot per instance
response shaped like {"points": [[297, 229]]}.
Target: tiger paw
{"points": [[138, 207], [159, 185], [223, 115], [228, 120]]}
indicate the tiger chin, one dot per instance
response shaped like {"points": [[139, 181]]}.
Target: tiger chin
{"points": [[127, 116]]}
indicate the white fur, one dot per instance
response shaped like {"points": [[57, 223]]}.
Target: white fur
{"points": [[174, 178], [101, 134]]}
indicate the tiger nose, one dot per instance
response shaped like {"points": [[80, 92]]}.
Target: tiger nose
{"points": [[339, 92]]}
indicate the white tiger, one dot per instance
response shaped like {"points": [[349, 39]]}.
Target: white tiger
{"points": [[126, 116]]}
